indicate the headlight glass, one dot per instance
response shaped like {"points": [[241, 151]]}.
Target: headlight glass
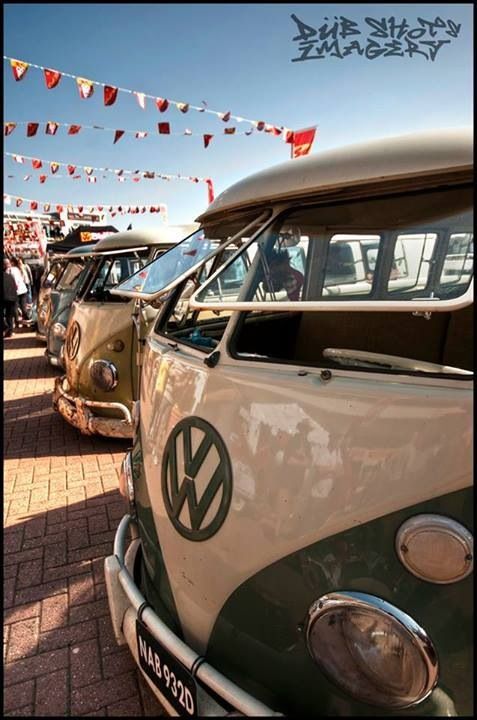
{"points": [[104, 374], [371, 649], [59, 330]]}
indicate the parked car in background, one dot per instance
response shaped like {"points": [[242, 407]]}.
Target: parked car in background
{"points": [[48, 280], [76, 266], [96, 393], [299, 489]]}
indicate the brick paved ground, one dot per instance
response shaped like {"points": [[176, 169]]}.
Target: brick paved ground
{"points": [[62, 507]]}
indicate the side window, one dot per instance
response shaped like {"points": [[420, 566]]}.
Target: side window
{"points": [[71, 275], [459, 259], [113, 270], [413, 255]]}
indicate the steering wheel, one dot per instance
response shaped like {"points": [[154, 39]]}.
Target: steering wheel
{"points": [[355, 358]]}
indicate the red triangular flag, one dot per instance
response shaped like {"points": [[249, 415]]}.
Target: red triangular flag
{"points": [[52, 78], [229, 131], [42, 178], [277, 131], [110, 94], [54, 167], [33, 205], [210, 190], [100, 207], [259, 125], [225, 116], [162, 104], [118, 135], [302, 141], [59, 208], [36, 164], [207, 139], [164, 128], [32, 129], [51, 128], [9, 127], [80, 209], [19, 68], [289, 136], [74, 129], [85, 87], [71, 169]]}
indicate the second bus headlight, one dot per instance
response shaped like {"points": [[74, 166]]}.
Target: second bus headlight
{"points": [[104, 374]]}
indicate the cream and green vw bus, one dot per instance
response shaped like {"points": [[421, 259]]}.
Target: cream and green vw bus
{"points": [[299, 488], [97, 392]]}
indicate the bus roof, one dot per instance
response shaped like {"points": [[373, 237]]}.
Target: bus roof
{"points": [[376, 162], [166, 235]]}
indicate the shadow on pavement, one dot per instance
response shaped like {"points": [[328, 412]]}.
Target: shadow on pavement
{"points": [[60, 655]]}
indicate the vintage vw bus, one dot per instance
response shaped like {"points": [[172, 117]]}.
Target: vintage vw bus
{"points": [[97, 391], [41, 307], [299, 489], [75, 267]]}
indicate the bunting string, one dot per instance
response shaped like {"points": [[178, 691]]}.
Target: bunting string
{"points": [[106, 208], [163, 128], [86, 90], [39, 163]]}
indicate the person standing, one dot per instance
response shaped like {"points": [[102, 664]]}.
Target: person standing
{"points": [[22, 290], [10, 299]]}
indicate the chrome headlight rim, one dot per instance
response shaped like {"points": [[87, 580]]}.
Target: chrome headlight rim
{"points": [[108, 365], [350, 600], [59, 330]]}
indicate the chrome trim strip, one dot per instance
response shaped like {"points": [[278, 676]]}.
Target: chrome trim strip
{"points": [[225, 688], [347, 599], [96, 403]]}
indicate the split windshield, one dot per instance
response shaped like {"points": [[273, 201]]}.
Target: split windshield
{"points": [[395, 248]]}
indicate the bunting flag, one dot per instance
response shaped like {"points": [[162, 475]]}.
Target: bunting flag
{"points": [[19, 69], [88, 170], [101, 208], [18, 158], [51, 128], [32, 128], [54, 167], [36, 164], [91, 179], [162, 104], [110, 94], [210, 190], [33, 205], [27, 177], [207, 139], [164, 128], [117, 136], [71, 169], [141, 98], [43, 178], [302, 142], [85, 87], [52, 78]]}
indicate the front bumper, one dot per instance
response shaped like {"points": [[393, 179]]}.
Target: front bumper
{"points": [[78, 411], [126, 604]]}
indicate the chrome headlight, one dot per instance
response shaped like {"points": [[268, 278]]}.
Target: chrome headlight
{"points": [[104, 374], [371, 649], [59, 330]]}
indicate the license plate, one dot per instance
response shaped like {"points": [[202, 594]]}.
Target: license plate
{"points": [[170, 677]]}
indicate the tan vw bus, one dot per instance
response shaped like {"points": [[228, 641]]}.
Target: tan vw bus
{"points": [[300, 484], [97, 392]]}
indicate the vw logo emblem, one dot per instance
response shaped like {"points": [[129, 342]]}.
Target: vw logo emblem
{"points": [[73, 341], [196, 479]]}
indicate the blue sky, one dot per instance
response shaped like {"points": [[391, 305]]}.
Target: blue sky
{"points": [[236, 57]]}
